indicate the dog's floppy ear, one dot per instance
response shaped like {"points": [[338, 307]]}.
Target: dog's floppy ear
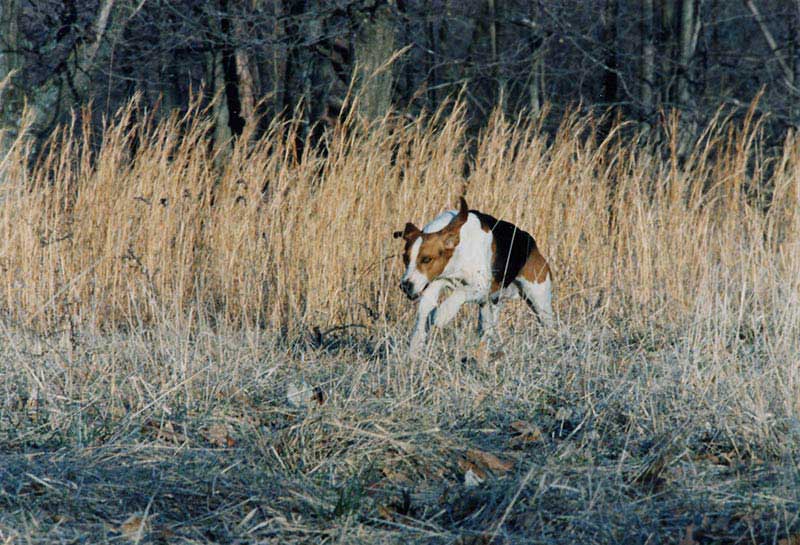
{"points": [[409, 232]]}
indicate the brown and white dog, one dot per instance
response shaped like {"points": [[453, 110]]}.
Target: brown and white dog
{"points": [[481, 259]]}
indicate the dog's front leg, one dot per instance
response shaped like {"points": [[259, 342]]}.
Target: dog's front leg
{"points": [[487, 320], [425, 313], [449, 308]]}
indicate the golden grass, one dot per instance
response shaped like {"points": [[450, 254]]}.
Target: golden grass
{"points": [[152, 223]]}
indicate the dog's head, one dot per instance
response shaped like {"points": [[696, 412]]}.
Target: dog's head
{"points": [[427, 254]]}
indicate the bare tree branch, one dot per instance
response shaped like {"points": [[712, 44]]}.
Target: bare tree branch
{"points": [[788, 75]]}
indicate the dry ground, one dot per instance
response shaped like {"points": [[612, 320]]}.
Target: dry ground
{"points": [[596, 433]]}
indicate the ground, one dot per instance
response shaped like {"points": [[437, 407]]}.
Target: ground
{"points": [[594, 432]]}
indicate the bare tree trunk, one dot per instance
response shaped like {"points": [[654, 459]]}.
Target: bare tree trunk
{"points": [[46, 99], [374, 47], [686, 51], [536, 85], [10, 101], [277, 63], [788, 72], [85, 58], [687, 44], [794, 110], [648, 71], [222, 128], [445, 74], [609, 38], [433, 80], [667, 43], [796, 38], [495, 59], [246, 75]]}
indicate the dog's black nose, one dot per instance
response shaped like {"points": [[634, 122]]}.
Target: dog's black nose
{"points": [[408, 289]]}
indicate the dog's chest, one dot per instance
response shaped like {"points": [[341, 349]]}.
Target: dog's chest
{"points": [[471, 264]]}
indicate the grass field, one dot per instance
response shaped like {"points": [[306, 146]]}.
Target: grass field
{"points": [[204, 345]]}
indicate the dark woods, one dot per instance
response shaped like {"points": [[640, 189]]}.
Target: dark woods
{"points": [[308, 57]]}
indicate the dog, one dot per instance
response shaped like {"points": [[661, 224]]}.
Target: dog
{"points": [[482, 260]]}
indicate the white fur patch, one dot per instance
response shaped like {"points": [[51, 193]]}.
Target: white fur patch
{"points": [[540, 295], [470, 265], [440, 222]]}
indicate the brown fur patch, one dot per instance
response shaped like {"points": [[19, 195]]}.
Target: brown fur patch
{"points": [[407, 250], [436, 248], [435, 252], [536, 268], [410, 234]]}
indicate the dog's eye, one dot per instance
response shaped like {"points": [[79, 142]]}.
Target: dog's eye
{"points": [[425, 260]]}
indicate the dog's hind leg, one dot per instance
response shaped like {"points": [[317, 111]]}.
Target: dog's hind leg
{"points": [[539, 297]]}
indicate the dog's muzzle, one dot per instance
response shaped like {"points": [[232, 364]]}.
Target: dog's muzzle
{"points": [[408, 289]]}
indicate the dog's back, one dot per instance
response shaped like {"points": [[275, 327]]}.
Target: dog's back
{"points": [[512, 247]]}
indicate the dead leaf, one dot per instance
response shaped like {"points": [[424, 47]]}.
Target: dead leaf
{"points": [[489, 460], [526, 433], [466, 465], [709, 457], [219, 435], [34, 488], [59, 518], [519, 426], [296, 396], [473, 475], [163, 430], [791, 540], [134, 527]]}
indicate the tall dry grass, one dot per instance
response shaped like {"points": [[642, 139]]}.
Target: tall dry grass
{"points": [[154, 222]]}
